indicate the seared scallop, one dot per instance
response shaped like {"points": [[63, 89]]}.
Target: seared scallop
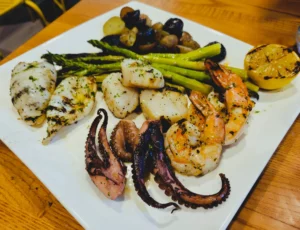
{"points": [[31, 87], [72, 100], [120, 100], [140, 75], [171, 105]]}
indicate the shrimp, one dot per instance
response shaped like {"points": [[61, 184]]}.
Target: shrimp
{"points": [[194, 146], [237, 100]]}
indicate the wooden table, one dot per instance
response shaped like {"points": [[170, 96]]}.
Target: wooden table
{"points": [[274, 202]]}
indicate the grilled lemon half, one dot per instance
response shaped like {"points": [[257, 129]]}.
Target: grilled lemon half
{"points": [[272, 66]]}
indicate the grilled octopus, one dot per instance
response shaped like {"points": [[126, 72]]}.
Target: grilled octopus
{"points": [[124, 139], [150, 155], [108, 173]]}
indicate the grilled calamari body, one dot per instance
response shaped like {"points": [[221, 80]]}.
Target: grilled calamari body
{"points": [[73, 99], [31, 87]]}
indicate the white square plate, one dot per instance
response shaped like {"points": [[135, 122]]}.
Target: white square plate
{"points": [[60, 165]]}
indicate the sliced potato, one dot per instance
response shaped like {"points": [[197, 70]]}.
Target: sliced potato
{"points": [[171, 105], [272, 66], [114, 26]]}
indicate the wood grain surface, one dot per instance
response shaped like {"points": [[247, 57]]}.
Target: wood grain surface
{"points": [[274, 202]]}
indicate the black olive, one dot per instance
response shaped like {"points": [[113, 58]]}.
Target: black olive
{"points": [[174, 26], [132, 19], [160, 49], [113, 40], [146, 36], [220, 56]]}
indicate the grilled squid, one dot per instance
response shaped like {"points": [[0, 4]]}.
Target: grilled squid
{"points": [[31, 87], [73, 99]]}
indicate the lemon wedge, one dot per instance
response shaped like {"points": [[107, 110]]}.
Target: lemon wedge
{"points": [[272, 66]]}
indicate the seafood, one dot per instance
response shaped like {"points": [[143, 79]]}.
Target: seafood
{"points": [[194, 146], [138, 74], [237, 100], [108, 173], [120, 100], [141, 166], [72, 100], [171, 105], [150, 156], [31, 87], [124, 138], [167, 180]]}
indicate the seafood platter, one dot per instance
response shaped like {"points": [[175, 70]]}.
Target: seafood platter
{"points": [[158, 122]]}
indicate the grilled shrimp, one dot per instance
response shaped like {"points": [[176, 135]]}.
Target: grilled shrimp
{"points": [[237, 100], [73, 99], [194, 146], [31, 87]]}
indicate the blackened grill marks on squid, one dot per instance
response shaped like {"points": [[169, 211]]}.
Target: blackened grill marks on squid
{"points": [[165, 176], [139, 170]]}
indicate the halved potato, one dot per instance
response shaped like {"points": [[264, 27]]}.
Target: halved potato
{"points": [[113, 26]]}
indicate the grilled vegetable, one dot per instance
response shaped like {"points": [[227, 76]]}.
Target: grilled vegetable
{"points": [[138, 74], [72, 100], [169, 41], [146, 36], [132, 19], [113, 40], [174, 26], [31, 87], [113, 26], [272, 66], [222, 53], [170, 105], [128, 38], [187, 41], [125, 10], [120, 100]]}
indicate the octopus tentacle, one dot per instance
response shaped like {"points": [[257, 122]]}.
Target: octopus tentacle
{"points": [[141, 157], [168, 181], [108, 173], [124, 139]]}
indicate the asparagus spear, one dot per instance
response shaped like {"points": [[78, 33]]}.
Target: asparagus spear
{"points": [[130, 54], [78, 55], [100, 78], [186, 82], [198, 75], [91, 68], [251, 86], [99, 59], [178, 87], [205, 52], [176, 62], [116, 49], [241, 72], [165, 55]]}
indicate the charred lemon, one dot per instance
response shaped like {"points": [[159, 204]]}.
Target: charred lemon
{"points": [[272, 66]]}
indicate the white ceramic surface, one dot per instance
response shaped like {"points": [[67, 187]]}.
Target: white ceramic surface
{"points": [[60, 165]]}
